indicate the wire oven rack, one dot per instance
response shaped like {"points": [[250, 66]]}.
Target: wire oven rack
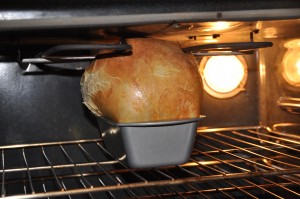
{"points": [[243, 162]]}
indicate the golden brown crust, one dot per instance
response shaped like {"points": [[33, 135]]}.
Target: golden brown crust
{"points": [[157, 82]]}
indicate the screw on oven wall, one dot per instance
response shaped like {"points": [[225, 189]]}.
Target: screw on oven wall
{"points": [[192, 37]]}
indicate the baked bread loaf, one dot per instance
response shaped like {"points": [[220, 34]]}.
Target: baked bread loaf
{"points": [[157, 82]]}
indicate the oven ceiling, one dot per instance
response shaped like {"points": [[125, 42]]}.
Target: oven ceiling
{"points": [[22, 15]]}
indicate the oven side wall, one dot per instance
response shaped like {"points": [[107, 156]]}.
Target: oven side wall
{"points": [[42, 107], [273, 86]]}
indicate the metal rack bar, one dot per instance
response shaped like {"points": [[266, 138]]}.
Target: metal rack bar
{"points": [[65, 188], [108, 192], [267, 149], [264, 189], [211, 161], [16, 146], [187, 171], [280, 134], [44, 188], [276, 184], [85, 183], [154, 183], [213, 152], [250, 152], [246, 181], [221, 161], [210, 191], [264, 178], [242, 190], [288, 178], [241, 159], [196, 190], [3, 174], [118, 180], [93, 159], [194, 174], [52, 170], [164, 174], [109, 154], [161, 173], [77, 170], [177, 193], [169, 176], [220, 173], [270, 142], [159, 194], [208, 172], [84, 186], [28, 172], [253, 159], [276, 138], [224, 129], [237, 156], [224, 193], [46, 167], [282, 187], [129, 190], [152, 191], [226, 181]]}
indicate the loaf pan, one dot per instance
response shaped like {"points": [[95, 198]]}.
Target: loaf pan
{"points": [[151, 144]]}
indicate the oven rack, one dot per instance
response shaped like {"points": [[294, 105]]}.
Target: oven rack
{"points": [[251, 162]]}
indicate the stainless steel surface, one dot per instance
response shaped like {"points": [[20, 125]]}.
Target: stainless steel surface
{"points": [[238, 47], [235, 162], [144, 143], [51, 55], [216, 53], [291, 105], [280, 98], [155, 123], [65, 59], [262, 93]]}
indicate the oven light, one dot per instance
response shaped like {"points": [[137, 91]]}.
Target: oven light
{"points": [[223, 73], [224, 76], [291, 63], [221, 25]]}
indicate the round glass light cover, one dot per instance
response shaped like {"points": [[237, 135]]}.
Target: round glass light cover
{"points": [[223, 74], [291, 63]]}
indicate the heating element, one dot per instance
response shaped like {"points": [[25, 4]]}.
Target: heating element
{"points": [[251, 162]]}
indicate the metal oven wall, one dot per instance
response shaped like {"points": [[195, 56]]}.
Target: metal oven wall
{"points": [[42, 108], [239, 110], [273, 84], [48, 107]]}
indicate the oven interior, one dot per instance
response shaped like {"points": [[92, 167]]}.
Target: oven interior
{"points": [[248, 145]]}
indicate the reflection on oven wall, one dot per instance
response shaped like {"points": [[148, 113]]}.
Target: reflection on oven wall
{"points": [[280, 97]]}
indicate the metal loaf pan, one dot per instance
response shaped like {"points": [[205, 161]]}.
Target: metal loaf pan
{"points": [[151, 144]]}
